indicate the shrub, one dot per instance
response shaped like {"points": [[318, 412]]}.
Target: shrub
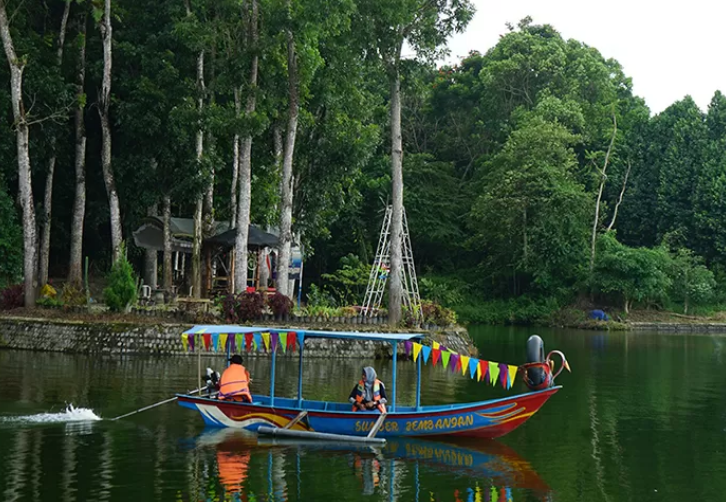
{"points": [[280, 304], [433, 313], [319, 298], [72, 296], [48, 291], [48, 302], [242, 307], [12, 297], [11, 241], [121, 291], [349, 282]]}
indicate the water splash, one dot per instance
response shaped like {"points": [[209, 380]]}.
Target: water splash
{"points": [[71, 414]]}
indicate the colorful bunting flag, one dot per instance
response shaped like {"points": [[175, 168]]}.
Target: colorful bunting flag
{"points": [[215, 341], [207, 337], [257, 339], [503, 376], [493, 372], [223, 341], [454, 362], [407, 346], [274, 338], [232, 345], [191, 338], [473, 367], [436, 346], [238, 339], [464, 364], [283, 341], [249, 338], [426, 353], [484, 370], [185, 342], [266, 340], [436, 355], [445, 356], [291, 339], [512, 375], [416, 350]]}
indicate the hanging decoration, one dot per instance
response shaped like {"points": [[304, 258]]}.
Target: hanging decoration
{"points": [[416, 350]]}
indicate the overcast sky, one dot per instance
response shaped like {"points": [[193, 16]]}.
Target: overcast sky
{"points": [[668, 49]]}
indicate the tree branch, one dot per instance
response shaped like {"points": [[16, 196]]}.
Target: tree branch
{"points": [[620, 199]]}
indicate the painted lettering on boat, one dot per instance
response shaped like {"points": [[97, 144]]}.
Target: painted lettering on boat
{"points": [[440, 424], [367, 425], [447, 456]]}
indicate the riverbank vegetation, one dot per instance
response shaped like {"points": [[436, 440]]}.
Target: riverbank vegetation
{"points": [[535, 180]]}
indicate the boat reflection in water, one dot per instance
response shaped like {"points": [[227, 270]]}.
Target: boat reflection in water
{"points": [[250, 468]]}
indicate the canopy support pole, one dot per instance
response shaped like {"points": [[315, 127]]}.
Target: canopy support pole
{"points": [[199, 362], [395, 374], [272, 379], [418, 383], [300, 373]]}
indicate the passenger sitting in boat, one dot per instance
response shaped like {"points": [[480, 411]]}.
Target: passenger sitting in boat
{"points": [[235, 382], [369, 393]]}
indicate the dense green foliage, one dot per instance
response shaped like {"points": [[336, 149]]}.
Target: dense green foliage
{"points": [[120, 293], [504, 153]]}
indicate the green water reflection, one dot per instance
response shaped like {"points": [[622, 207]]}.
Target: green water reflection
{"points": [[642, 417]]}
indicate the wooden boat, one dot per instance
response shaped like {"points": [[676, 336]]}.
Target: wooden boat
{"points": [[299, 417]]}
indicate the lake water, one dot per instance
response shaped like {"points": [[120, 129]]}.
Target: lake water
{"points": [[642, 417]]}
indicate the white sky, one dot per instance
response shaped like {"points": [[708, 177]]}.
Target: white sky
{"points": [[670, 50]]}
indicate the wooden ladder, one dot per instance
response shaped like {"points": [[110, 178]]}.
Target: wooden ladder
{"points": [[295, 420], [377, 425]]}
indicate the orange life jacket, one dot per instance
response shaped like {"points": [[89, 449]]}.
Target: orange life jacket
{"points": [[361, 391], [235, 383]]}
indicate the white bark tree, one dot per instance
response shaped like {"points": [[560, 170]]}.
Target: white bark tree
{"points": [[48, 195], [603, 179], [245, 163], [198, 209], [167, 272], [235, 162], [395, 287], [293, 82], [22, 134], [104, 105], [75, 276]]}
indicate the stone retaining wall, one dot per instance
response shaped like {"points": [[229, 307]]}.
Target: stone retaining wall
{"points": [[679, 327], [165, 339]]}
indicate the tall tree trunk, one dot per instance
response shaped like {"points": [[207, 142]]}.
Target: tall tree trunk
{"points": [[293, 81], [22, 134], [235, 162], [395, 292], [75, 276], [167, 277], [264, 253], [603, 178], [245, 165], [48, 196], [198, 210], [620, 199], [151, 257], [103, 110]]}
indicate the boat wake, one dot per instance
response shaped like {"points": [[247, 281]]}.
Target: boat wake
{"points": [[71, 414]]}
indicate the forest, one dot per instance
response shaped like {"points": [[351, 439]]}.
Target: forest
{"points": [[531, 175]]}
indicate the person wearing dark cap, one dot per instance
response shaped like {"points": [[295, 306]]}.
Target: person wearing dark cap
{"points": [[235, 382]]}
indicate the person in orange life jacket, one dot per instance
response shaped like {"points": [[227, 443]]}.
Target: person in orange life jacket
{"points": [[235, 382], [369, 393]]}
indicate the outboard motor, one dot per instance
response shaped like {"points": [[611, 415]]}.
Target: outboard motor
{"points": [[538, 370], [211, 379]]}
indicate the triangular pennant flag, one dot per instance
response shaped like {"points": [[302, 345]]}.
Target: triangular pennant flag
{"points": [[473, 367], [455, 362], [207, 337], [512, 375], [464, 364], [478, 370], [257, 339], [266, 340], [283, 341], [503, 376], [238, 339], [223, 341], [436, 345], [407, 347], [435, 356], [249, 337], [494, 494], [215, 341], [232, 346], [191, 338], [291, 339], [493, 372], [274, 338], [426, 353], [185, 342], [445, 356], [416, 350]]}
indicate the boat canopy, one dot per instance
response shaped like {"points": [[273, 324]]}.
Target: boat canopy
{"points": [[349, 335]]}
